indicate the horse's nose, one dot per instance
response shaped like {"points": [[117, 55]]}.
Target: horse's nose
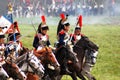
{"points": [[24, 78], [41, 74]]}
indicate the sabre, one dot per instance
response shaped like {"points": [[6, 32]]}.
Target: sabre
{"points": [[79, 22], [34, 27], [36, 33]]}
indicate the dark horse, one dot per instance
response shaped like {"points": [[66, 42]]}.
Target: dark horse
{"points": [[63, 54], [50, 63], [79, 48]]}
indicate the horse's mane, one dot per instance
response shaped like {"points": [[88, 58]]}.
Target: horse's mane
{"points": [[88, 43]]}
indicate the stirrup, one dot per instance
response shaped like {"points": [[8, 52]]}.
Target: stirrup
{"points": [[51, 67]]}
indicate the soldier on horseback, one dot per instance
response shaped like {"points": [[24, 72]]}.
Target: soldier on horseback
{"points": [[14, 39], [90, 54], [41, 39], [77, 35], [63, 39]]}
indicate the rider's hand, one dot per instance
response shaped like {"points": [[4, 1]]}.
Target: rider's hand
{"points": [[53, 48], [69, 43]]}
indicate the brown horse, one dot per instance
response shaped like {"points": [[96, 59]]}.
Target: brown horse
{"points": [[79, 48], [49, 61], [13, 71]]}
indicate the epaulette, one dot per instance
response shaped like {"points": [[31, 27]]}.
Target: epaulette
{"points": [[62, 32], [36, 35]]}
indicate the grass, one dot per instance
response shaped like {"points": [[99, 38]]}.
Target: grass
{"points": [[106, 36]]}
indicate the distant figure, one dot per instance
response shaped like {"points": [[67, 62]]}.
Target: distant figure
{"points": [[101, 8], [10, 8]]}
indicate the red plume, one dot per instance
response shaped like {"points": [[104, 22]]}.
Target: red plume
{"points": [[62, 16], [80, 21], [43, 18]]}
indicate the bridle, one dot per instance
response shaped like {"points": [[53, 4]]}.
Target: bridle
{"points": [[29, 65]]}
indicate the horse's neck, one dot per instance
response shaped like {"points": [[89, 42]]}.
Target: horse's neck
{"points": [[26, 68], [20, 58], [3, 71]]}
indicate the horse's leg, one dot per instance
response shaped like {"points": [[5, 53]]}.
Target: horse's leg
{"points": [[81, 76], [59, 77], [78, 67], [88, 75], [86, 72], [53, 78], [73, 75], [46, 77]]}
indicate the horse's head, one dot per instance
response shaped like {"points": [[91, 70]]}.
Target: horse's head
{"points": [[91, 56], [30, 63], [14, 71], [85, 43], [23, 51], [47, 57], [3, 73], [21, 75]]}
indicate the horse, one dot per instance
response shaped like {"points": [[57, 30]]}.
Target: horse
{"points": [[63, 54], [13, 70], [48, 59], [3, 74], [80, 49], [31, 65]]}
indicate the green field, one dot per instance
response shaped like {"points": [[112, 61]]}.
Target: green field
{"points": [[105, 35]]}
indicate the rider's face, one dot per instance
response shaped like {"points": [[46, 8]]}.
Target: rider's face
{"points": [[44, 31], [67, 28], [77, 31], [17, 37]]}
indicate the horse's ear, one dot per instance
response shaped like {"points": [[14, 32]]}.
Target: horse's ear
{"points": [[26, 49]]}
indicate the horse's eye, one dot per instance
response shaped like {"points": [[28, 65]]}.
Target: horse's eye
{"points": [[39, 64]]}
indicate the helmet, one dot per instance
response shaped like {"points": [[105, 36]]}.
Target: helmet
{"points": [[77, 27], [43, 24], [66, 23], [44, 27]]}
